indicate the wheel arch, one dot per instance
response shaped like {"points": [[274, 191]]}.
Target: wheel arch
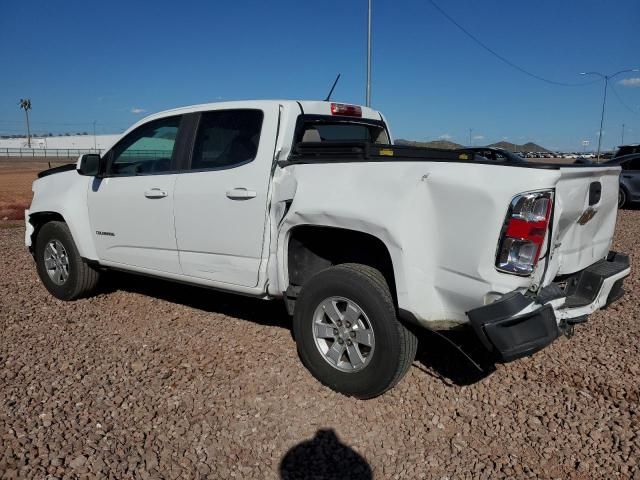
{"points": [[83, 242], [38, 220], [625, 190], [310, 248]]}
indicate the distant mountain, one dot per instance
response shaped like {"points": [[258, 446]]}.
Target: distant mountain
{"points": [[514, 147], [445, 144]]}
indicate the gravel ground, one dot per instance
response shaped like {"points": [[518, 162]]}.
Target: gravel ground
{"points": [[152, 380]]}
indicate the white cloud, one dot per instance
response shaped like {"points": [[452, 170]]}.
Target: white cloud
{"points": [[630, 82], [445, 136], [137, 110], [478, 137]]}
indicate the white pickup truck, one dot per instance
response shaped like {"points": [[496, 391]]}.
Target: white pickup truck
{"points": [[311, 202]]}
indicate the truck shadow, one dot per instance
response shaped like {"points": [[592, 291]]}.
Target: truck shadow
{"points": [[437, 356], [272, 314], [464, 364]]}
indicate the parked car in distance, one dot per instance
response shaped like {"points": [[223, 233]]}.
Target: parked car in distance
{"points": [[629, 192], [495, 155], [364, 241], [624, 150]]}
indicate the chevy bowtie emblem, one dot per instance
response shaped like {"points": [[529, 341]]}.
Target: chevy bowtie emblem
{"points": [[587, 215]]}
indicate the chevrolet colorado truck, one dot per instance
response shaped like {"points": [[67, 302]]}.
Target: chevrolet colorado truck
{"points": [[364, 240]]}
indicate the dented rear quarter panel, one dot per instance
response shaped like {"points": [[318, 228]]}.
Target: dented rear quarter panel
{"points": [[440, 221]]}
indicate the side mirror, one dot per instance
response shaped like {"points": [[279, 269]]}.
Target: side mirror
{"points": [[89, 165]]}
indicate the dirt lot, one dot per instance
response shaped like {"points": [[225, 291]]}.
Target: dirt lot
{"points": [[153, 380], [16, 177]]}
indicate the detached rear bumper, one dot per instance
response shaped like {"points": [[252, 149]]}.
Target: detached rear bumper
{"points": [[518, 325]]}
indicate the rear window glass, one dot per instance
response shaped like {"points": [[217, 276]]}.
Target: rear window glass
{"points": [[227, 138], [343, 131]]}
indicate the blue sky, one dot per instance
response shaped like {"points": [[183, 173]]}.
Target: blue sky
{"points": [[114, 61]]}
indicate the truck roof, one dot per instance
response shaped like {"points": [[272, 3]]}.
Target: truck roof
{"points": [[313, 107]]}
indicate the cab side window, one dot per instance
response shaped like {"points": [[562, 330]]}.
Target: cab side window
{"points": [[147, 150], [632, 164], [226, 138]]}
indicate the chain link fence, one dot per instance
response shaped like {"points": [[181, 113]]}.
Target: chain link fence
{"points": [[46, 152]]}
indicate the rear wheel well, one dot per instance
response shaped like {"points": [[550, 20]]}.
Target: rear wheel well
{"points": [[314, 248]]}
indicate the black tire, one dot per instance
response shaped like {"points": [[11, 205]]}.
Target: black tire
{"points": [[395, 345], [82, 279], [622, 197]]}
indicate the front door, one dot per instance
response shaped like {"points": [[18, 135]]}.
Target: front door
{"points": [[221, 200], [131, 208]]}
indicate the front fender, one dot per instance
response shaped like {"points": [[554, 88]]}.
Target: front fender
{"points": [[65, 194]]}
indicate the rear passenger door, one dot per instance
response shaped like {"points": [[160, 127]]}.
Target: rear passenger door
{"points": [[221, 198]]}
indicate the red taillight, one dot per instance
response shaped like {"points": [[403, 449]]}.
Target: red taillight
{"points": [[346, 110], [524, 231]]}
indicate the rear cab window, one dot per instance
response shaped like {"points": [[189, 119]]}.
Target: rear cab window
{"points": [[321, 128]]}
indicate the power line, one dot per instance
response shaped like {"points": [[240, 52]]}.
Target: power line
{"points": [[622, 102], [504, 59]]}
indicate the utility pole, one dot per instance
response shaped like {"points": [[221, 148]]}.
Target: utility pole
{"points": [[606, 79], [368, 99], [470, 138]]}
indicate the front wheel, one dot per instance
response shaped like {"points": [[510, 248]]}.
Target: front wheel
{"points": [[348, 334], [60, 267]]}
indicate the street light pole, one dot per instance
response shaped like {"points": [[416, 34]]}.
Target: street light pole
{"points": [[606, 79], [604, 102], [368, 99], [94, 136]]}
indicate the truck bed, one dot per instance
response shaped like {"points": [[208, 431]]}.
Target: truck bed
{"points": [[342, 152]]}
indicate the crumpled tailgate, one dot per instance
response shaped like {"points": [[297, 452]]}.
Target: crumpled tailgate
{"points": [[586, 206]]}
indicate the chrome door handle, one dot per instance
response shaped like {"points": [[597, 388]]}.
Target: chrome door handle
{"points": [[155, 193], [240, 193]]}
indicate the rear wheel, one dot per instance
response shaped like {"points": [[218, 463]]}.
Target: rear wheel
{"points": [[60, 267], [347, 332], [622, 197]]}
